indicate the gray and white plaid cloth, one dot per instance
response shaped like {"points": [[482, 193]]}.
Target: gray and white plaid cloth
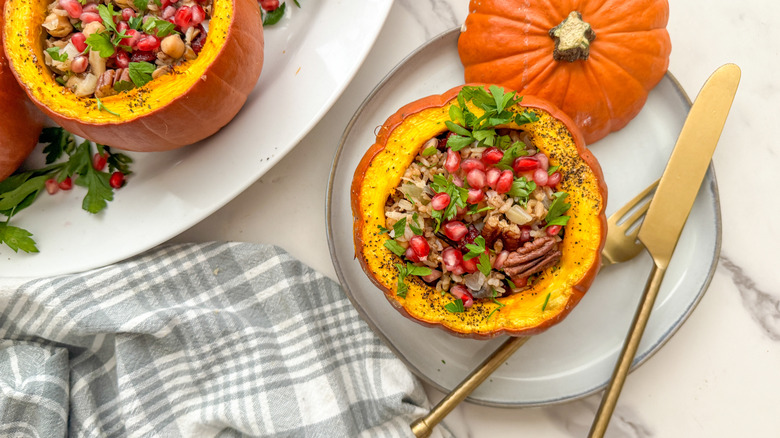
{"points": [[201, 340]]}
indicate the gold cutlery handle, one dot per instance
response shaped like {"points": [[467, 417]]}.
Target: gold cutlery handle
{"points": [[423, 426], [611, 394]]}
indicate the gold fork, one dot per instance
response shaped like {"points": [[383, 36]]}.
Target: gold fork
{"points": [[621, 245]]}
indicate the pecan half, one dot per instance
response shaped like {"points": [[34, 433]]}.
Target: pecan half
{"points": [[532, 257], [491, 230]]}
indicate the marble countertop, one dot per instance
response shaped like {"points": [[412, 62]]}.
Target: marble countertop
{"points": [[718, 375]]}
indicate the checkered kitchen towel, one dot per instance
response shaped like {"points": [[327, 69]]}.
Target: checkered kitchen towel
{"points": [[197, 340]]}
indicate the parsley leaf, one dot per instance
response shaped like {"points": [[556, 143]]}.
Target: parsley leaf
{"points": [[455, 306], [558, 207], [517, 149], [158, 27], [17, 238], [274, 16], [58, 141], [475, 249], [395, 247], [101, 43], [500, 304], [521, 189], [405, 271], [296, 3], [99, 191], [458, 196], [382, 230], [413, 225], [123, 86], [399, 229], [430, 150], [141, 5], [484, 265], [107, 14], [55, 54], [458, 142], [102, 107], [140, 72], [546, 300]]}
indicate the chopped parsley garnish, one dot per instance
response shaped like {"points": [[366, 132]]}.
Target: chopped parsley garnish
{"points": [[413, 225], [274, 16], [101, 43], [458, 197], [140, 72], [500, 304], [516, 149], [546, 300], [141, 5], [399, 229], [158, 27], [430, 150], [468, 128], [521, 189], [123, 86], [477, 249], [55, 54], [20, 190], [455, 306], [558, 207], [382, 230], [405, 271], [102, 107], [552, 169], [395, 247]]}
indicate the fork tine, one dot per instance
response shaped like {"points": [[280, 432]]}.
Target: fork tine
{"points": [[633, 202], [638, 214]]}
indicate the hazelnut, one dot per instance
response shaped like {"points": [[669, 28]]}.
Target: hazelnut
{"points": [[92, 27]]}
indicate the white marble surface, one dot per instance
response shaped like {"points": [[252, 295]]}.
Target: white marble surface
{"points": [[719, 376]]}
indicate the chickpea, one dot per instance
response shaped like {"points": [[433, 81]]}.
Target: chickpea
{"points": [[173, 46], [93, 27], [57, 25]]}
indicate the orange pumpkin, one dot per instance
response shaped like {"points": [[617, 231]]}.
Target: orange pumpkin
{"points": [[557, 290], [21, 122], [177, 109], [596, 60]]}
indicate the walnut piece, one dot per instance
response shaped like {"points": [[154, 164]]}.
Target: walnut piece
{"points": [[532, 257]]}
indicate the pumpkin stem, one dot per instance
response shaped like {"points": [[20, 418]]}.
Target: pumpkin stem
{"points": [[572, 38]]}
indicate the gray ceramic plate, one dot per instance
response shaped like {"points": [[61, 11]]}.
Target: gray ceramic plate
{"points": [[574, 358]]}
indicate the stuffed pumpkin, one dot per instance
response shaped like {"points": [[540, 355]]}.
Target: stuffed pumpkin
{"points": [[480, 212]]}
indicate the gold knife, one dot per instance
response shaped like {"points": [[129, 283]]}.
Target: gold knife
{"points": [[669, 211]]}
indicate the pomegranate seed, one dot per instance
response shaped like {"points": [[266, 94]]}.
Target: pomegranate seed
{"points": [[51, 186], [141, 56], [148, 43], [99, 161], [89, 17], [492, 155], [520, 281], [420, 246], [476, 179], [269, 5], [452, 162], [498, 263], [553, 230], [554, 179], [410, 254], [505, 181], [455, 230], [544, 162], [117, 179], [72, 7], [452, 258], [433, 276], [470, 265], [525, 233], [540, 176], [122, 26], [475, 196], [79, 64], [66, 184], [440, 201], [183, 17], [457, 180], [168, 12], [443, 141], [134, 35], [198, 15], [491, 176], [165, 3], [122, 59], [458, 270], [524, 164], [79, 41], [91, 7], [127, 14], [459, 291], [472, 163]]}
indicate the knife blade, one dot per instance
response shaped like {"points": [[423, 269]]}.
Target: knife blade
{"points": [[673, 199], [668, 212]]}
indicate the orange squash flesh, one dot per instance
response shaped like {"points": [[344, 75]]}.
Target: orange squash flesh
{"points": [[379, 173], [508, 42], [174, 110], [20, 121]]}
